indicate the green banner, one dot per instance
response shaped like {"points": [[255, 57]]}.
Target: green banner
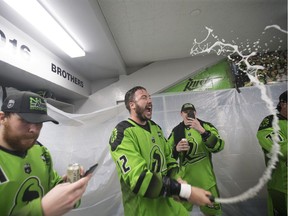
{"points": [[216, 77]]}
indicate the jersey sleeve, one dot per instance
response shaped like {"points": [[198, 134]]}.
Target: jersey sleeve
{"points": [[171, 144], [54, 177], [266, 132], [171, 157], [213, 142]]}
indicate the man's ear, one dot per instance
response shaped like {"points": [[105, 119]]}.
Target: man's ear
{"points": [[132, 105], [2, 116]]}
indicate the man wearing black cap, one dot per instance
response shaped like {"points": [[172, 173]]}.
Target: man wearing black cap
{"points": [[277, 185], [28, 183], [193, 141]]}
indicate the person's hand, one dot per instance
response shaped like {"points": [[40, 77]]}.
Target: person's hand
{"points": [[199, 196], [182, 145], [181, 181], [64, 178], [63, 197], [195, 124]]}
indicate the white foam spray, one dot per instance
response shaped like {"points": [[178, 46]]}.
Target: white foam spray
{"points": [[221, 48]]}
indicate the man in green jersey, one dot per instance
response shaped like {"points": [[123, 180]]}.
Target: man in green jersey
{"points": [[277, 185], [28, 183], [193, 142], [146, 169]]}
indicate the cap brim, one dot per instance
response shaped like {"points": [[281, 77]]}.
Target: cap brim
{"points": [[37, 118]]}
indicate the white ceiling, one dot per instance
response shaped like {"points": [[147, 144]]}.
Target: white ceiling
{"points": [[121, 36]]}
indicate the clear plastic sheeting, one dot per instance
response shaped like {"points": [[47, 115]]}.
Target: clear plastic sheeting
{"points": [[84, 139]]}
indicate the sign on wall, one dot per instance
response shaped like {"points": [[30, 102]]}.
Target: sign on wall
{"points": [[21, 51], [213, 78]]}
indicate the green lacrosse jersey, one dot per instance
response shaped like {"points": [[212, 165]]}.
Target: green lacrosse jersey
{"points": [[142, 158], [265, 132], [196, 164], [24, 179]]}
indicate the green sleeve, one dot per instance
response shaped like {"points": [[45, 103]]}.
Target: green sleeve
{"points": [[54, 177], [266, 132], [171, 144], [172, 164], [213, 141], [170, 140]]}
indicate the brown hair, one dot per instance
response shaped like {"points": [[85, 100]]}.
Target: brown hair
{"points": [[129, 96]]}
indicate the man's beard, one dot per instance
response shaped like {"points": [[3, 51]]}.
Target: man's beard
{"points": [[140, 113], [18, 143]]}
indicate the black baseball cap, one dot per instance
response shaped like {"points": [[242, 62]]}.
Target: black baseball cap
{"points": [[29, 106], [282, 98], [187, 106]]}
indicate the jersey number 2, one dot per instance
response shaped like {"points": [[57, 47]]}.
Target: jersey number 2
{"points": [[124, 166]]}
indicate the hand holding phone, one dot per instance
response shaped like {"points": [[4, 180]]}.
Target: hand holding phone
{"points": [[90, 170]]}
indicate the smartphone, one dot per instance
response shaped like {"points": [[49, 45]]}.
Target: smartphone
{"points": [[90, 170], [190, 114]]}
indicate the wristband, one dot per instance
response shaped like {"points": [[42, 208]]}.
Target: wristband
{"points": [[185, 191], [205, 135]]}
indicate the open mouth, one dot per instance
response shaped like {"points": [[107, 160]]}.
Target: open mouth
{"points": [[149, 109]]}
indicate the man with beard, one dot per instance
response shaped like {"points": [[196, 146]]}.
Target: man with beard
{"points": [[277, 185], [28, 183], [146, 169]]}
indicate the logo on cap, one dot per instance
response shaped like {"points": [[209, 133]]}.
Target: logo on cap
{"points": [[10, 104], [37, 103], [187, 106]]}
